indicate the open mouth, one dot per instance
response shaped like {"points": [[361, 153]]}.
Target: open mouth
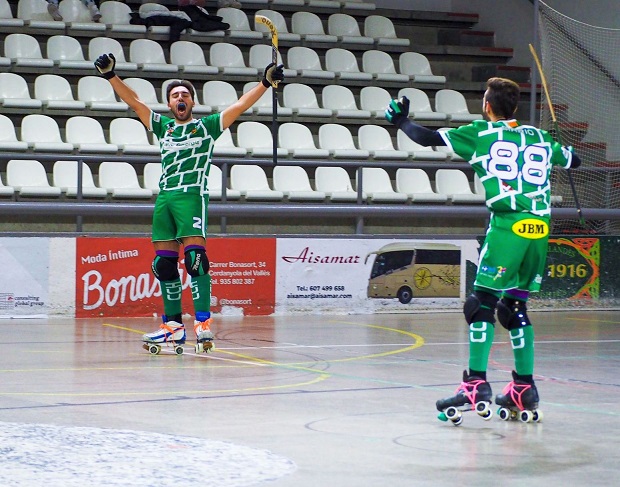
{"points": [[182, 108]]}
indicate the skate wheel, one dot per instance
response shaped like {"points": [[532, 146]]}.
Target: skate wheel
{"points": [[526, 416], [454, 415], [504, 414], [484, 410], [178, 350], [154, 349], [538, 416], [205, 347]]}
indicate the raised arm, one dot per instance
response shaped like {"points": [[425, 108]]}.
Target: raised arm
{"points": [[105, 65], [397, 113]]}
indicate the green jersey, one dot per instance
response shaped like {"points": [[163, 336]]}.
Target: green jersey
{"points": [[186, 151], [513, 162]]}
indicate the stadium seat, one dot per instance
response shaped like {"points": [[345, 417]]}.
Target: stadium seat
{"points": [[337, 139], [328, 5], [346, 28], [307, 63], [65, 177], [147, 8], [375, 99], [104, 45], [42, 134], [28, 178], [228, 58], [214, 185], [358, 6], [199, 108], [288, 3], [190, 58], [344, 63], [7, 20], [117, 16], [131, 137], [35, 15], [416, 184], [298, 140], [149, 56], [454, 184], [151, 175], [14, 92], [294, 183], [24, 50], [417, 151], [335, 183], [377, 185], [417, 67], [220, 95], [381, 65], [420, 106], [256, 138], [98, 94], [86, 133], [224, 146], [55, 93], [146, 92], [378, 141], [280, 24], [381, 29], [6, 190], [310, 27], [301, 99], [8, 136], [261, 55], [121, 181], [454, 104], [341, 101], [78, 18], [239, 25], [264, 105], [251, 181], [66, 52]]}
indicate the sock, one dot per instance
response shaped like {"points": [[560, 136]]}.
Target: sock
{"points": [[481, 334], [522, 340], [201, 294], [171, 294]]}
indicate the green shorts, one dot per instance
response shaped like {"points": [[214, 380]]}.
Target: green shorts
{"points": [[514, 253], [179, 214]]}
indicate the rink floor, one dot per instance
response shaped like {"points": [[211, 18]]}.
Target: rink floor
{"points": [[301, 401]]}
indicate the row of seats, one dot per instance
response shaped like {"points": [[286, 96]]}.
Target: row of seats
{"points": [[41, 133], [54, 92], [186, 57], [119, 180]]}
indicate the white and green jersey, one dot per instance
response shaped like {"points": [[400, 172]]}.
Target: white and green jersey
{"points": [[186, 150], [513, 163]]}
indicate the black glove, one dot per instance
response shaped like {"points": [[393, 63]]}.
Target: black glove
{"points": [[273, 75], [105, 65], [397, 111]]}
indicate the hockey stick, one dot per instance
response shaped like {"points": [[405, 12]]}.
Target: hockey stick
{"points": [[543, 80], [261, 19]]}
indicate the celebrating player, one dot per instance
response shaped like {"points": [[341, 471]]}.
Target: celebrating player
{"points": [[180, 214], [513, 162]]}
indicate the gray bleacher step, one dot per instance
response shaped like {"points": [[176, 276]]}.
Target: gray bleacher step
{"points": [[466, 37], [518, 74]]}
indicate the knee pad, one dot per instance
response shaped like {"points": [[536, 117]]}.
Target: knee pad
{"points": [[165, 268], [480, 306], [196, 261], [512, 313]]}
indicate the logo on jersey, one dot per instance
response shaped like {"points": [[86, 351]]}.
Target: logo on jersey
{"points": [[531, 228], [494, 272]]}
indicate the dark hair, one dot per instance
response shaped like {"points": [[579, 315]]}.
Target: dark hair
{"points": [[179, 82], [503, 95]]}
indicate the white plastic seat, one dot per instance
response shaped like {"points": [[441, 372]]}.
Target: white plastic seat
{"points": [[199, 108], [14, 92], [344, 63], [337, 139], [416, 184], [6, 190], [323, 4], [264, 105], [239, 24], [78, 17], [55, 93], [341, 101], [298, 140], [307, 63], [454, 104], [65, 177], [358, 6], [294, 183], [301, 99], [215, 188], [454, 184], [97, 93], [377, 185], [381, 65], [146, 92], [261, 55], [105, 45], [280, 24], [86, 133], [335, 183], [35, 15], [117, 16], [42, 134], [256, 138], [66, 52], [224, 146], [417, 67], [378, 141], [417, 151], [121, 181], [28, 178], [310, 27], [375, 99], [131, 137], [190, 58], [8, 136], [149, 56], [381, 29], [151, 174], [155, 8], [420, 106], [228, 58], [346, 28], [251, 181], [24, 50], [220, 95], [7, 20]]}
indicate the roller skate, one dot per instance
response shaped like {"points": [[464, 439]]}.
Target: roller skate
{"points": [[170, 333], [474, 394], [204, 335], [519, 400]]}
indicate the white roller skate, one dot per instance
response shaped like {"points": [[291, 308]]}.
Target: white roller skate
{"points": [[474, 394], [204, 335], [519, 400], [170, 333]]}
